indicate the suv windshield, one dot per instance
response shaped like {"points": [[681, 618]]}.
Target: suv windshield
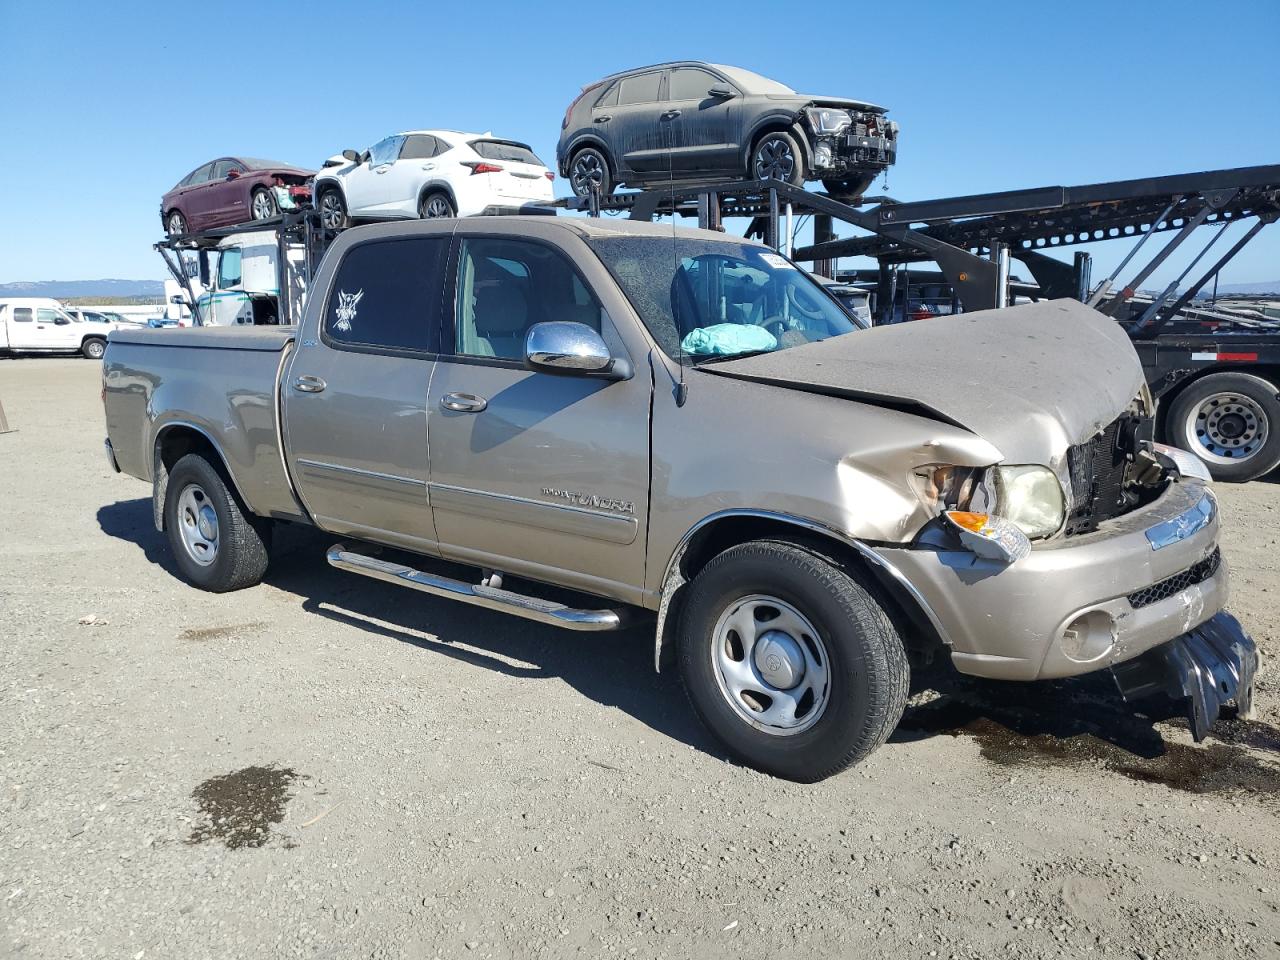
{"points": [[703, 299]]}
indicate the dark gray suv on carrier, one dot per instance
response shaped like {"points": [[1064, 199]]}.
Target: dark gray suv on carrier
{"points": [[697, 121]]}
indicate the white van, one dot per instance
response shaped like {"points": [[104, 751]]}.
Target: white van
{"points": [[41, 325]]}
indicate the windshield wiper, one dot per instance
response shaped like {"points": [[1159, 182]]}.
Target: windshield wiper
{"points": [[721, 357]]}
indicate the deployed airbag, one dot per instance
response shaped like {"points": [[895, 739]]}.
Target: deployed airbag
{"points": [[728, 339]]}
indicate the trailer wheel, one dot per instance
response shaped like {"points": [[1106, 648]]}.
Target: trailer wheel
{"points": [[1231, 421], [777, 156], [789, 662], [93, 348], [263, 204], [333, 210], [218, 545]]}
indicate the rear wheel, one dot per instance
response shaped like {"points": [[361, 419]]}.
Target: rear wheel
{"points": [[588, 171], [93, 348], [777, 156], [789, 661], [218, 545], [263, 204], [333, 210], [175, 223], [436, 205], [1231, 421]]}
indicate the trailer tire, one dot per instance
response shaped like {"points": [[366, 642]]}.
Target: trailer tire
{"points": [[217, 543], [93, 348], [1231, 421], [789, 661]]}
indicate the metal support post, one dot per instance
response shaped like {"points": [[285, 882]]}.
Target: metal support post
{"points": [[1105, 287], [1118, 302], [786, 242], [822, 233], [886, 292], [772, 238], [1000, 256], [1081, 269]]}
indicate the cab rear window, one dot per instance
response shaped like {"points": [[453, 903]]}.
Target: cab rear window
{"points": [[387, 295]]}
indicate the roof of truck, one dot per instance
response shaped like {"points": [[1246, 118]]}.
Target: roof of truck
{"points": [[609, 227]]}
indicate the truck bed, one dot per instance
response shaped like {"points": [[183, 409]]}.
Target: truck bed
{"points": [[218, 382]]}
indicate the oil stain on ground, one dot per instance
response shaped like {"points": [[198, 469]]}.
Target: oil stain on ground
{"points": [[240, 808], [204, 634], [1224, 767]]}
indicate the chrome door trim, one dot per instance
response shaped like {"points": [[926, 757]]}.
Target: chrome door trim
{"points": [[358, 472], [526, 511]]}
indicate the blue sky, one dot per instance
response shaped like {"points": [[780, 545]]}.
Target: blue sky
{"points": [[105, 106]]}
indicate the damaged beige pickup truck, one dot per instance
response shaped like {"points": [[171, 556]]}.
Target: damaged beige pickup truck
{"points": [[613, 421]]}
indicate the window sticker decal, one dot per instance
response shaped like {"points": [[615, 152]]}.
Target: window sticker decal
{"points": [[346, 311]]}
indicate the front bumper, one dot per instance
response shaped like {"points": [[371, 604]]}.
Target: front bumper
{"points": [[111, 456], [1079, 604], [834, 155]]}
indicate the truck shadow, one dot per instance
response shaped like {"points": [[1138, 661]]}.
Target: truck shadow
{"points": [[1080, 723], [614, 669]]}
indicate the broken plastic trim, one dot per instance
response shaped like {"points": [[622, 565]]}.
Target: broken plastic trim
{"points": [[1208, 667]]}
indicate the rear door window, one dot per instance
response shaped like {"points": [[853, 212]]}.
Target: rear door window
{"points": [[22, 314], [419, 146], [610, 97], [640, 89], [387, 296]]}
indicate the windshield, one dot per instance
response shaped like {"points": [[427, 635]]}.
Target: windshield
{"points": [[752, 82], [257, 163], [703, 299]]}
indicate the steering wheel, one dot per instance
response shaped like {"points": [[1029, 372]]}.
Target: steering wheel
{"points": [[806, 304]]}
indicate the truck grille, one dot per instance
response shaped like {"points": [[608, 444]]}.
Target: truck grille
{"points": [[1171, 586], [1097, 478]]}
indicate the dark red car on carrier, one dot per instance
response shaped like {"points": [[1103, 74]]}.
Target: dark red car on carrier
{"points": [[231, 190]]}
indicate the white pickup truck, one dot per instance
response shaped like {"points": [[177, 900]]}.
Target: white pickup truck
{"points": [[41, 325]]}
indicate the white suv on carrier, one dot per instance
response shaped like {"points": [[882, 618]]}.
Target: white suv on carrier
{"points": [[432, 173]]}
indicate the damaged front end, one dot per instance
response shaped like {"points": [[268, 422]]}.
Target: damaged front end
{"points": [[849, 146], [291, 192]]}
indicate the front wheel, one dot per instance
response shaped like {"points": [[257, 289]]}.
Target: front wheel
{"points": [[777, 156], [93, 348], [175, 224], [333, 210], [790, 662], [218, 545], [1231, 421], [263, 204]]}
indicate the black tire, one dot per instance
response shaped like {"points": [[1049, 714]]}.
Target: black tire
{"points": [[241, 540], [262, 204], [436, 204], [333, 209], [590, 167], [1231, 421], [175, 223], [777, 155], [868, 675], [93, 348], [848, 188]]}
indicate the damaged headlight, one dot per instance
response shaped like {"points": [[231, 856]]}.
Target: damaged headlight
{"points": [[1029, 497], [827, 121]]}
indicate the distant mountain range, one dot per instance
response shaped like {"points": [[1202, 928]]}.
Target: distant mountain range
{"points": [[1267, 286], [60, 289]]}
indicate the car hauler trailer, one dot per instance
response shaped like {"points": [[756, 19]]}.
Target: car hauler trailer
{"points": [[1216, 373]]}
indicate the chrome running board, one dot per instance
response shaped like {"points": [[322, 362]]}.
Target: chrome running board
{"points": [[531, 608]]}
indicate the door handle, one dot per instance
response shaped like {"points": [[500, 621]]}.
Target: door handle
{"points": [[463, 402], [604, 119], [670, 115], [428, 166], [308, 384]]}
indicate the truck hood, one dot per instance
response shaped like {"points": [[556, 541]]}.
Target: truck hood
{"points": [[1032, 380]]}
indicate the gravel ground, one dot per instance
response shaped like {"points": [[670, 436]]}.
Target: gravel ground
{"points": [[324, 766]]}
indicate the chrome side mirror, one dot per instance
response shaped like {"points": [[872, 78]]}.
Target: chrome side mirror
{"points": [[566, 348]]}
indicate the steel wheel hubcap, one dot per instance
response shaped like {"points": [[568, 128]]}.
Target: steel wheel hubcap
{"points": [[198, 524], [774, 160], [588, 172], [771, 665], [1227, 428]]}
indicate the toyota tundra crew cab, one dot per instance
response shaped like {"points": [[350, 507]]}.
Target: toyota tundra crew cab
{"points": [[613, 422]]}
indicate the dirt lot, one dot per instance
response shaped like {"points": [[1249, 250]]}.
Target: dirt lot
{"points": [[324, 766]]}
